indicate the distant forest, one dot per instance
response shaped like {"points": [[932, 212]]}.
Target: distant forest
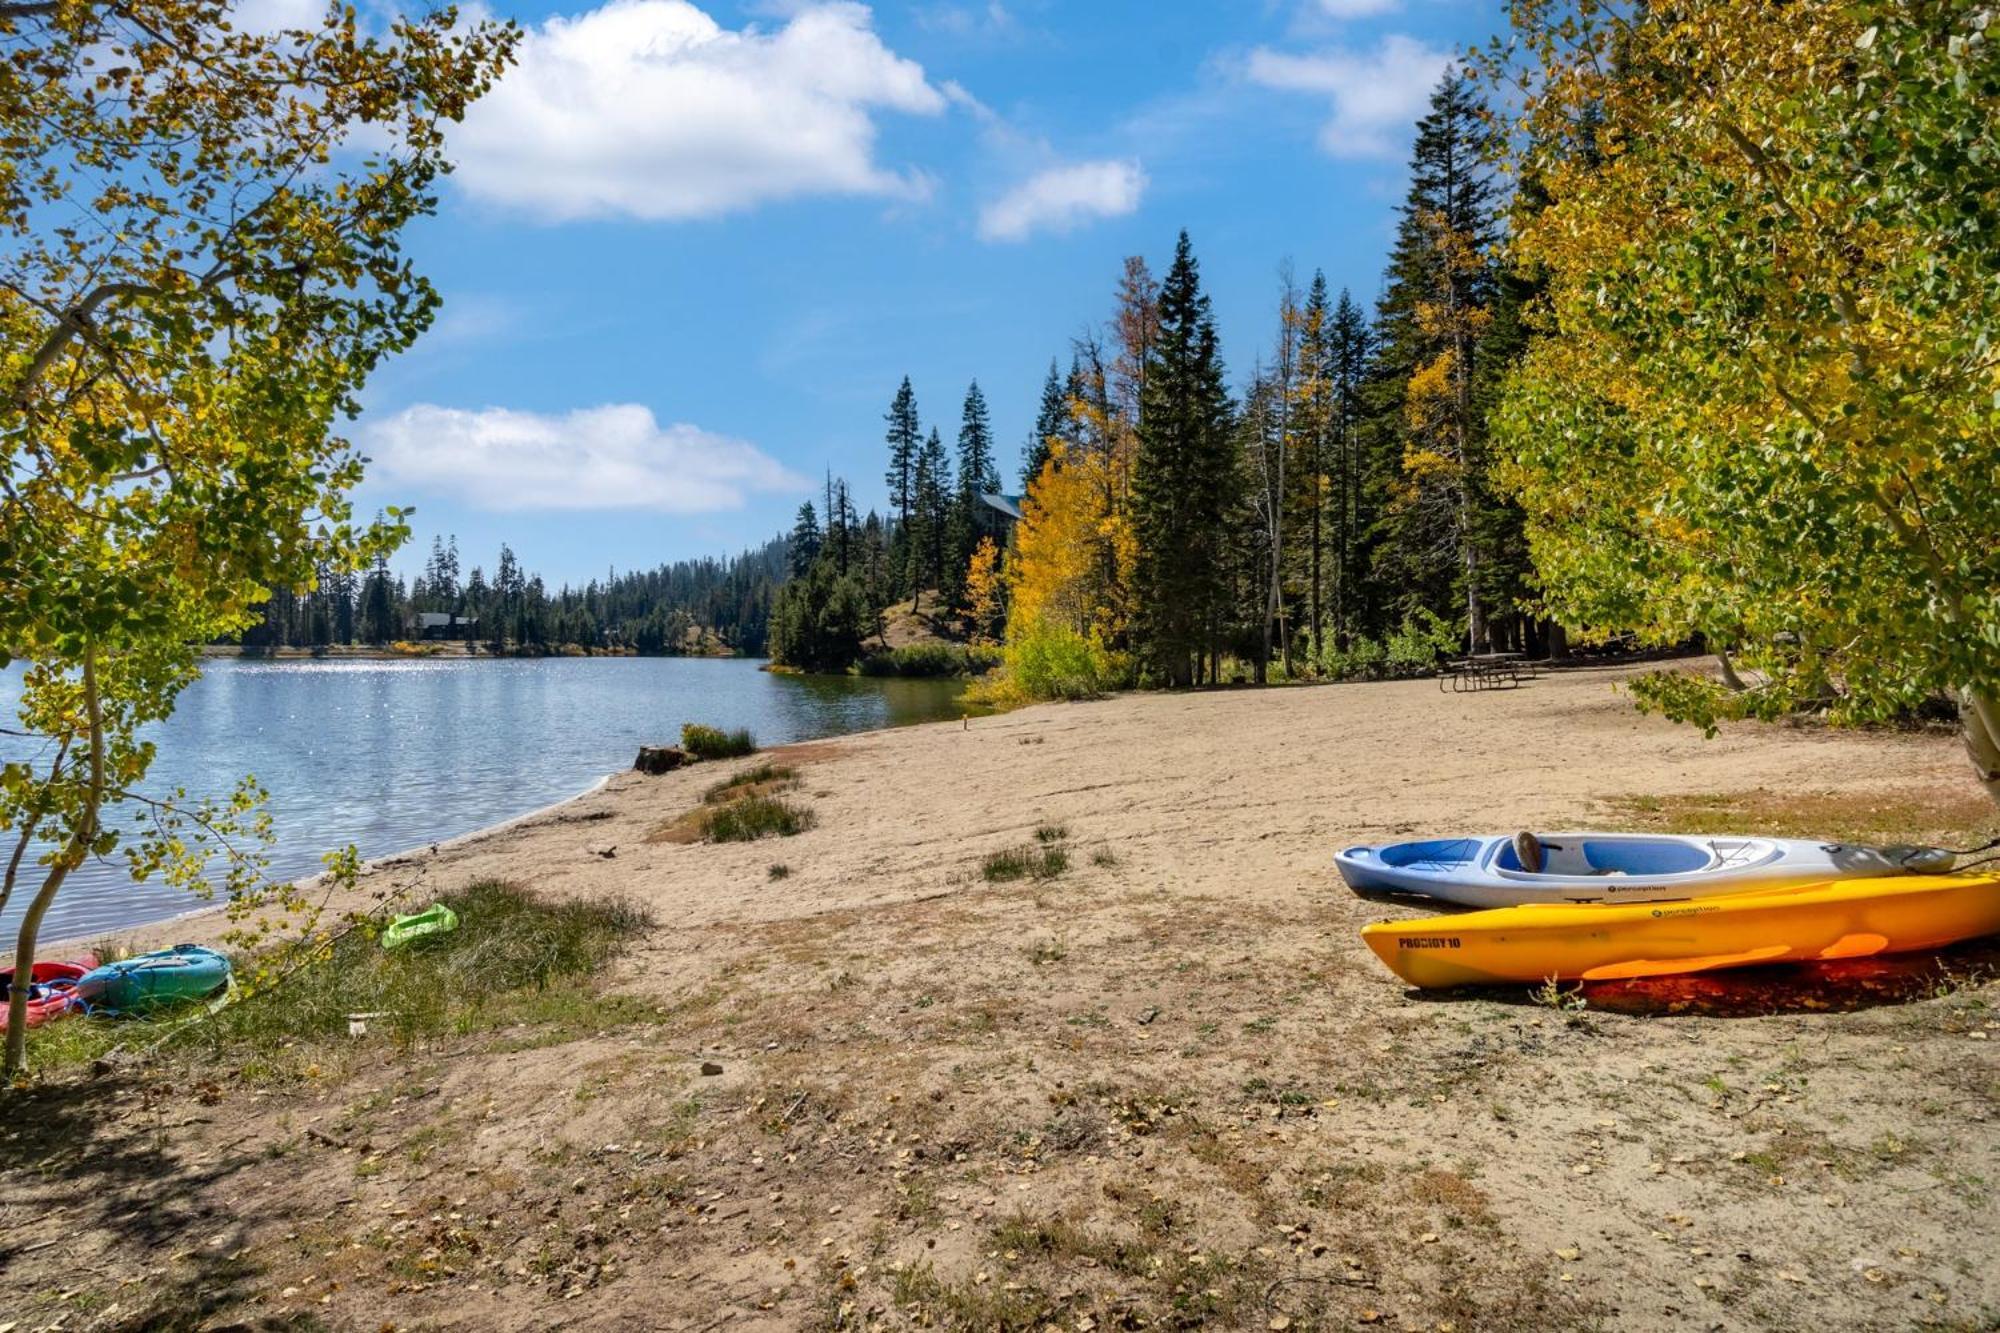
{"points": [[690, 606], [1339, 511]]}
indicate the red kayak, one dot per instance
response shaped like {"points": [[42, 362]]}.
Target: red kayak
{"points": [[51, 993]]}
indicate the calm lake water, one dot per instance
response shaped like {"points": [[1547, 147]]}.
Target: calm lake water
{"points": [[392, 755]]}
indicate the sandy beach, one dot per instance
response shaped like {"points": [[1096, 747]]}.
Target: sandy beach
{"points": [[1168, 1088]]}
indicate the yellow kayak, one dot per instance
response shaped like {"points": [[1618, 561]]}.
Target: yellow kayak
{"points": [[1852, 918]]}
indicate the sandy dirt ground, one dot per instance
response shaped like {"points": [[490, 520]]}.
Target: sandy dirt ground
{"points": [[1168, 1087]]}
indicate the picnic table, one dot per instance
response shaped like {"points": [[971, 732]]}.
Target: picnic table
{"points": [[1486, 671]]}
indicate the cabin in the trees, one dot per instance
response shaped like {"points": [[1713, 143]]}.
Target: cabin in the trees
{"points": [[444, 625], [996, 515]]}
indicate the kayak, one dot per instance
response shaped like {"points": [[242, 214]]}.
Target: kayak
{"points": [[155, 980], [51, 990], [437, 919], [1854, 918], [1485, 870]]}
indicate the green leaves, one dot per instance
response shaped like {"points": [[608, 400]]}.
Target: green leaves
{"points": [[1764, 411], [170, 374]]}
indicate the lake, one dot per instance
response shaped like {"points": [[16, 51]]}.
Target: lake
{"points": [[390, 755]]}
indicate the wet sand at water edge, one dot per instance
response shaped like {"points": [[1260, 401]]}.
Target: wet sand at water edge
{"points": [[1168, 1087]]}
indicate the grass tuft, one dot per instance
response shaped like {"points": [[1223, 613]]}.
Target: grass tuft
{"points": [[714, 743], [755, 817], [778, 871], [766, 777], [1028, 862]]}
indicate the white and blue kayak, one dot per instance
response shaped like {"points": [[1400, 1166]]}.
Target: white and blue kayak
{"points": [[1506, 870]]}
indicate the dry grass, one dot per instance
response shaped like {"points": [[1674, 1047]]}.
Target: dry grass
{"points": [[1953, 816], [760, 780]]}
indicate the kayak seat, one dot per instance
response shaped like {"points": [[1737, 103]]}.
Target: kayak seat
{"points": [[1600, 857]]}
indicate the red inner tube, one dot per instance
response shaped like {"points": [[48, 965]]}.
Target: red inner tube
{"points": [[45, 1001]]}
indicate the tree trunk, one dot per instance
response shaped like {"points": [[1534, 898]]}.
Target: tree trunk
{"points": [[80, 841], [1729, 676], [1316, 612], [1558, 642], [1475, 616], [1979, 715], [1263, 674]]}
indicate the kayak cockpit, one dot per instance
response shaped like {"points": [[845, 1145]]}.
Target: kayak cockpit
{"points": [[1583, 856]]}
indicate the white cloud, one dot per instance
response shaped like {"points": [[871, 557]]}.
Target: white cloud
{"points": [[611, 457], [1356, 9], [1062, 197], [650, 109], [1377, 95]]}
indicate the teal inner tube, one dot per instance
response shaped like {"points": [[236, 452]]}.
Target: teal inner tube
{"points": [[150, 981]]}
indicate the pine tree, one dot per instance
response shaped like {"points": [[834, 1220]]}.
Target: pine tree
{"points": [[976, 473], [1185, 482], [1434, 313], [929, 517], [378, 604], [905, 440], [1307, 497], [804, 542], [1051, 421], [507, 598], [1349, 348], [976, 477]]}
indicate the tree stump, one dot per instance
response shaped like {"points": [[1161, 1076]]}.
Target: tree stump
{"points": [[658, 759]]}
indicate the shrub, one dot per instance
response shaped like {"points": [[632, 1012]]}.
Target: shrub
{"points": [[931, 659], [714, 743], [756, 817], [1047, 662], [1411, 650], [1414, 649], [1361, 659]]}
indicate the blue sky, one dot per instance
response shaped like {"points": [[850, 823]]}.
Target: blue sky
{"points": [[692, 248]]}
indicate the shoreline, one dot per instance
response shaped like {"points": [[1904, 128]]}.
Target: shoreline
{"points": [[443, 651], [149, 930], [854, 1065]]}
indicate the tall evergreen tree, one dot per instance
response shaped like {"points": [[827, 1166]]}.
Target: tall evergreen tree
{"points": [[929, 517], [1185, 483], [976, 476], [378, 603], [1051, 419], [1307, 499], [804, 543], [975, 445], [1348, 353], [905, 440], [1434, 312]]}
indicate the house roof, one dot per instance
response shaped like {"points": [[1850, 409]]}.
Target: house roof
{"points": [[1010, 505]]}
